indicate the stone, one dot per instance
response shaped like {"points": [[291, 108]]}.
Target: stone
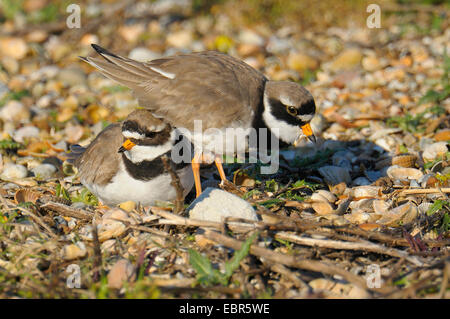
{"points": [[14, 171], [334, 175], [14, 111], [72, 76], [127, 206], [301, 62], [131, 32], [250, 37], [122, 271], [13, 47], [215, 205], [371, 63], [10, 64], [180, 39], [74, 251], [143, 54], [346, 60], [433, 151], [44, 171], [26, 132]]}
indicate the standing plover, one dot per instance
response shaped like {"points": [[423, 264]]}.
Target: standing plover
{"points": [[219, 91]]}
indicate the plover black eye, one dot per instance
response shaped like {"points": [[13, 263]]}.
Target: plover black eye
{"points": [[291, 110]]}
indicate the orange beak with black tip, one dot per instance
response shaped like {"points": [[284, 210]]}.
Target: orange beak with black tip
{"points": [[307, 131], [126, 146]]}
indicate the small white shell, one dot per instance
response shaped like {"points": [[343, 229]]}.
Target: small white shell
{"points": [[400, 215], [366, 191], [328, 196], [380, 206], [434, 150], [362, 205], [397, 172]]}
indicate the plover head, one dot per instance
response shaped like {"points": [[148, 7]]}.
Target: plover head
{"points": [[288, 110]]}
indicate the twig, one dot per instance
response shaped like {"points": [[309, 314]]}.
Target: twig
{"points": [[424, 191], [68, 211], [279, 268], [97, 254], [362, 245], [172, 283], [444, 283], [328, 229], [38, 220], [150, 230], [175, 182], [292, 261], [172, 219]]}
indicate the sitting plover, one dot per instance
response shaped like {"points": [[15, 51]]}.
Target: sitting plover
{"points": [[123, 163]]}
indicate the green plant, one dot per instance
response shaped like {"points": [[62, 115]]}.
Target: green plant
{"points": [[13, 96], [10, 145], [11, 8], [207, 275], [437, 206], [62, 192], [85, 196]]}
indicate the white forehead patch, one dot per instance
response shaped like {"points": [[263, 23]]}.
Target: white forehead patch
{"points": [[135, 135], [157, 128], [163, 73], [139, 153]]}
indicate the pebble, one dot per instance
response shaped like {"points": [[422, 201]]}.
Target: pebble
{"points": [[44, 171], [72, 76], [14, 111], [250, 37], [215, 205], [10, 64], [348, 59], [74, 251], [371, 63], [13, 171], [361, 181], [301, 62], [122, 271], [143, 54], [180, 39], [26, 132], [433, 151], [131, 32], [12, 47], [334, 175], [127, 206]]}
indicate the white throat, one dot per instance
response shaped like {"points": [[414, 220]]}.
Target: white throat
{"points": [[284, 131], [141, 153]]}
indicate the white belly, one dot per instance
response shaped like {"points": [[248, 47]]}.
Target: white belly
{"points": [[230, 142], [124, 188]]}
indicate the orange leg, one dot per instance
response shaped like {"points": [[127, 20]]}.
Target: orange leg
{"points": [[218, 162], [196, 170]]}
